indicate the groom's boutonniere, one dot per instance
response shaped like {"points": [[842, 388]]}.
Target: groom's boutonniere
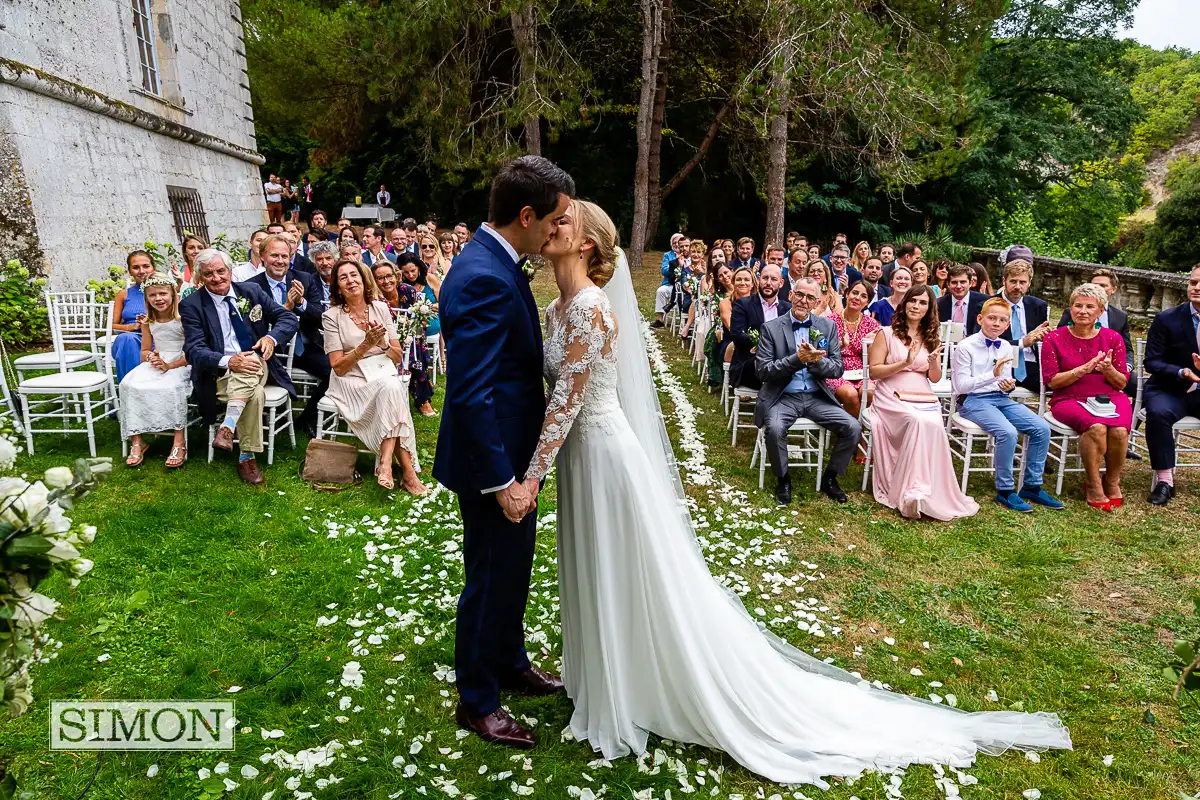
{"points": [[243, 306], [530, 267], [256, 314]]}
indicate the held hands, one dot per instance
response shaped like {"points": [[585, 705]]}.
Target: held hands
{"points": [[808, 354], [1190, 375], [517, 500], [157, 362], [142, 319]]}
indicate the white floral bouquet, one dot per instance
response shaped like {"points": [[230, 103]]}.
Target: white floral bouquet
{"points": [[36, 540]]}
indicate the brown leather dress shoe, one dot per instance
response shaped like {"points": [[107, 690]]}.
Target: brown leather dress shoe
{"points": [[498, 727], [249, 472], [224, 438], [532, 681]]}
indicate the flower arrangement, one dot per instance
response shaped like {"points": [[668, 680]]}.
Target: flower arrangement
{"points": [[753, 334], [36, 540]]}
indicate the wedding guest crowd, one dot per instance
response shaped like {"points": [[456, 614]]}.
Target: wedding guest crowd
{"points": [[790, 328]]}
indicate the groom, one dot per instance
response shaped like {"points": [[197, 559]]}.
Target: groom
{"points": [[490, 428]]}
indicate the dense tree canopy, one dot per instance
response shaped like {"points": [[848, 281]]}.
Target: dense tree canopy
{"points": [[894, 116]]}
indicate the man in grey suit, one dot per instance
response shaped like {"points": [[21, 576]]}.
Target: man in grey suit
{"points": [[796, 353]]}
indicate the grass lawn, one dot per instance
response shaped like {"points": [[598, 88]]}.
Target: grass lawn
{"points": [[1070, 612]]}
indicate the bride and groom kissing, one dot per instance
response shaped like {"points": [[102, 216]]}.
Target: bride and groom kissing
{"points": [[651, 642]]}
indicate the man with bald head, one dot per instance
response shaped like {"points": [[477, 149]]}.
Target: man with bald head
{"points": [[749, 314]]}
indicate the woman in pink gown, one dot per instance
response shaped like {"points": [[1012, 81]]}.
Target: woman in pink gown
{"points": [[913, 470]]}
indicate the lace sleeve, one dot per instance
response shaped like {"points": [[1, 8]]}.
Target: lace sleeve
{"points": [[587, 337]]}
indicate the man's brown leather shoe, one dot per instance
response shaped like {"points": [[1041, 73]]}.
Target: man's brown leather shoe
{"points": [[249, 472], [224, 438], [532, 681], [498, 727]]}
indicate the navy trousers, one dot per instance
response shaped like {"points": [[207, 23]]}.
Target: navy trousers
{"points": [[489, 637], [1163, 410]]}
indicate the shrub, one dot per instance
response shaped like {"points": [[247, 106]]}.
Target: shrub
{"points": [[1020, 227], [23, 318]]}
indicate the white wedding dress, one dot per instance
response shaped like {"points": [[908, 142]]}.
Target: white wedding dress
{"points": [[652, 643], [153, 401]]}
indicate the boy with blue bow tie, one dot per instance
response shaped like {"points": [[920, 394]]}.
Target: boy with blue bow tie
{"points": [[982, 377]]}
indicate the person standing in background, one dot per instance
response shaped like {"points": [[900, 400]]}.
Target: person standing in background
{"points": [[273, 191]]}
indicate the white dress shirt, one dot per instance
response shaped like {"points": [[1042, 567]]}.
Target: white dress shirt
{"points": [[276, 286], [1030, 352], [973, 370], [508, 248], [246, 271], [232, 345]]}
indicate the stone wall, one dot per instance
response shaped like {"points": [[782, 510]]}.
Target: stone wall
{"points": [[97, 153], [1142, 293]]}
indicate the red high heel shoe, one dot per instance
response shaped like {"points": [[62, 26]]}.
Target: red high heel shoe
{"points": [[1116, 502], [1105, 506]]}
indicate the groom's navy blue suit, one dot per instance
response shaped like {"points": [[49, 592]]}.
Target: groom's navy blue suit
{"points": [[491, 421]]}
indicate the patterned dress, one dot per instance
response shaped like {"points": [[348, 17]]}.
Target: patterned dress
{"points": [[852, 352]]}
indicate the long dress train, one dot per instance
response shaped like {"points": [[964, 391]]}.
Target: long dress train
{"points": [[652, 643]]}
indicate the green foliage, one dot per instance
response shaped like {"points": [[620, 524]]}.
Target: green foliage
{"points": [[939, 244], [234, 248], [23, 319], [1088, 208], [1020, 227], [1173, 241], [1166, 85], [1184, 667], [107, 289]]}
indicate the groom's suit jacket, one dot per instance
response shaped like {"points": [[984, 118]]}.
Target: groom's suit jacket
{"points": [[495, 399], [205, 346], [776, 360]]}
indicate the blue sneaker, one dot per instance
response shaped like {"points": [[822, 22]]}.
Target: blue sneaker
{"points": [[1013, 502], [1036, 494]]}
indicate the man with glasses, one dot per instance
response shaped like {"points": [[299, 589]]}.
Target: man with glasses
{"points": [[843, 273], [797, 352]]}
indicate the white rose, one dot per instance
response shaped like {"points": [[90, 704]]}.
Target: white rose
{"points": [[82, 566], [88, 534], [33, 609], [58, 477], [55, 521], [62, 551], [8, 453], [27, 500]]}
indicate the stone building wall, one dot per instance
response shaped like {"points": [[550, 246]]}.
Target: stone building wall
{"points": [[96, 152]]}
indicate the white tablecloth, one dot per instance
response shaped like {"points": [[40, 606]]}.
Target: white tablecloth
{"points": [[372, 211]]}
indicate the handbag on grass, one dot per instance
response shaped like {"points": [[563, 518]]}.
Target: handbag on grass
{"points": [[327, 461]]}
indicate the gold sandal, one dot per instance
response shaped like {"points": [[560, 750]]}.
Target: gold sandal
{"points": [[177, 458], [137, 454]]}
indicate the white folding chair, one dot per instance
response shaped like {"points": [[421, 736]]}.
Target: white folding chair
{"points": [[1186, 430], [69, 394], [433, 344], [805, 448], [725, 388], [740, 418], [75, 317], [277, 415], [304, 381], [951, 333], [1061, 438], [865, 417]]}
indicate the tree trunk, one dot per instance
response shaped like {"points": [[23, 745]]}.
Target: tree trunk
{"points": [[777, 130], [524, 24], [654, 194], [701, 151], [652, 40]]}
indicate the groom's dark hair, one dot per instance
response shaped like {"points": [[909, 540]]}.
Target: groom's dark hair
{"points": [[527, 181]]}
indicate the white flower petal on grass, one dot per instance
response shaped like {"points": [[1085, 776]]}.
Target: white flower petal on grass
{"points": [[1034, 757], [150, 773], [221, 768], [1108, 761], [1032, 794], [204, 773], [888, 640], [233, 689], [992, 696], [275, 734], [916, 672], [248, 772], [103, 657], [230, 785], [268, 795]]}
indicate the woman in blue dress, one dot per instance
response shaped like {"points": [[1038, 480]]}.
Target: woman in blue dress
{"points": [[128, 305], [885, 308]]}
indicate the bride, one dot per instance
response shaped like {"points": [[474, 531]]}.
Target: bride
{"points": [[651, 642]]}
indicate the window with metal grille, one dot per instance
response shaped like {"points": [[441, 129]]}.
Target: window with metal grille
{"points": [[144, 32], [188, 212]]}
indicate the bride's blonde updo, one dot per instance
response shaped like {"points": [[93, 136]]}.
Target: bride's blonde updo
{"points": [[596, 226]]}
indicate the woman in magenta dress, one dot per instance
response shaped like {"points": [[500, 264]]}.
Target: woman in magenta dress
{"points": [[913, 470], [1084, 360], [853, 326]]}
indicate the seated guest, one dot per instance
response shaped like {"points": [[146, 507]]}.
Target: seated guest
{"points": [[960, 304], [373, 241], [154, 395], [448, 249], [1028, 324], [324, 255], [814, 252], [797, 353], [317, 223], [908, 254], [416, 275], [774, 254], [914, 473], [730, 251], [980, 280], [797, 268], [920, 273], [708, 285], [298, 292], [128, 305], [697, 261], [347, 235], [300, 259], [1111, 317], [1082, 364], [887, 258], [366, 386], [884, 308], [831, 301], [431, 256], [748, 315], [941, 274], [665, 294], [248, 269], [717, 341], [230, 331], [192, 245], [745, 256], [838, 239], [871, 272], [853, 327], [350, 250], [1170, 394], [982, 378], [841, 273], [862, 251]]}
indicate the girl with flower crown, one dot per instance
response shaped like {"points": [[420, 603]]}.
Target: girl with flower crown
{"points": [[154, 394]]}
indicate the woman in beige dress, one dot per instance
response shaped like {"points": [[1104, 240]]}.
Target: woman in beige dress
{"points": [[368, 391]]}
